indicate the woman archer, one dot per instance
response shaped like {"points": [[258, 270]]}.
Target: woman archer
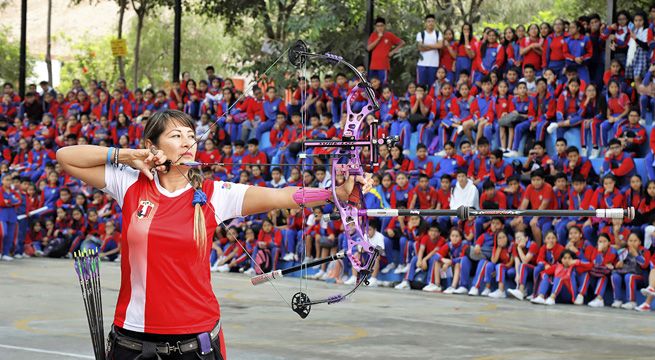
{"points": [[166, 307]]}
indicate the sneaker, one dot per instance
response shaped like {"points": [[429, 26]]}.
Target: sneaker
{"points": [[318, 275], [460, 129], [214, 267], [643, 307], [474, 291], [400, 269], [617, 304], [530, 297], [538, 300], [550, 301], [552, 127], [648, 291], [486, 292], [579, 300], [373, 282], [352, 280], [224, 268], [498, 294], [595, 153], [516, 293], [404, 285], [6, 258], [597, 303], [18, 256], [440, 153], [406, 152], [461, 290], [38, 253], [642, 122], [631, 305], [432, 287], [388, 268], [513, 153], [324, 277], [288, 257], [449, 291], [250, 272]]}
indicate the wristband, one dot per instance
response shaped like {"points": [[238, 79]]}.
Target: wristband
{"points": [[116, 157], [109, 150], [304, 196]]}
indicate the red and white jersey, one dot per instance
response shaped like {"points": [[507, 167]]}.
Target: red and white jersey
{"points": [[165, 284]]}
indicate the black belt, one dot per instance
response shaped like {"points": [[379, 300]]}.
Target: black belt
{"points": [[161, 348]]}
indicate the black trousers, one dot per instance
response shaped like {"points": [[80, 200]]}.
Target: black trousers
{"points": [[117, 352]]}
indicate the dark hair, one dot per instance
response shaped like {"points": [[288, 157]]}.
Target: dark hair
{"points": [[488, 184], [572, 149], [497, 153], [154, 128], [210, 67], [429, 16], [567, 252], [577, 177], [421, 146], [462, 40], [380, 19]]}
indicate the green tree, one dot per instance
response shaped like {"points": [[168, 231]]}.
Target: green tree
{"points": [[204, 42], [9, 58], [91, 60]]}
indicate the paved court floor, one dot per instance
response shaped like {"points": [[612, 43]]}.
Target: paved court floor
{"points": [[42, 317]]}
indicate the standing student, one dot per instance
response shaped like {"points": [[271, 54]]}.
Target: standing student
{"points": [[553, 56], [9, 201], [531, 49], [489, 57], [382, 44], [466, 48], [578, 50], [429, 42]]}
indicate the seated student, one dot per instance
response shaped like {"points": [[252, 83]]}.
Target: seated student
{"points": [[525, 252], [490, 199], [225, 258], [450, 162], [600, 261], [648, 292], [563, 279], [423, 164], [425, 258], [376, 239], [479, 165], [632, 134], [403, 235], [605, 197], [538, 195], [576, 164], [630, 271], [501, 259], [450, 255], [568, 109], [423, 196], [618, 106], [500, 169], [111, 245], [619, 163], [482, 109], [482, 249], [592, 111], [461, 118]]}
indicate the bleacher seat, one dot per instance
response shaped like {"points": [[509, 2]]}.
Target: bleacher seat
{"points": [[265, 141]]}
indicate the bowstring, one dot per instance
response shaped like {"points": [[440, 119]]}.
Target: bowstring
{"points": [[303, 270], [195, 143]]}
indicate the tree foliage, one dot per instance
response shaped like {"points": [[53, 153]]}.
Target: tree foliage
{"points": [[10, 56]]}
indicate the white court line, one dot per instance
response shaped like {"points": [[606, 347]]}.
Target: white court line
{"points": [[46, 351]]}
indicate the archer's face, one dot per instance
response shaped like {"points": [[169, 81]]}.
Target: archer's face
{"points": [[178, 142]]}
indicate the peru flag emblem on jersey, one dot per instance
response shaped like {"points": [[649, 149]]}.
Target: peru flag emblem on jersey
{"points": [[145, 209]]}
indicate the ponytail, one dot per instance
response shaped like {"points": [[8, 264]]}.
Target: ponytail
{"points": [[199, 199]]}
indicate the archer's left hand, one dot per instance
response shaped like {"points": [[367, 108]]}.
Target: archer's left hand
{"points": [[344, 191]]}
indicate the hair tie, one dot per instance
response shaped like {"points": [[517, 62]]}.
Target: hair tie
{"points": [[199, 197]]}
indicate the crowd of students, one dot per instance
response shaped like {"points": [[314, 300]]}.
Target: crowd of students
{"points": [[475, 106]]}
